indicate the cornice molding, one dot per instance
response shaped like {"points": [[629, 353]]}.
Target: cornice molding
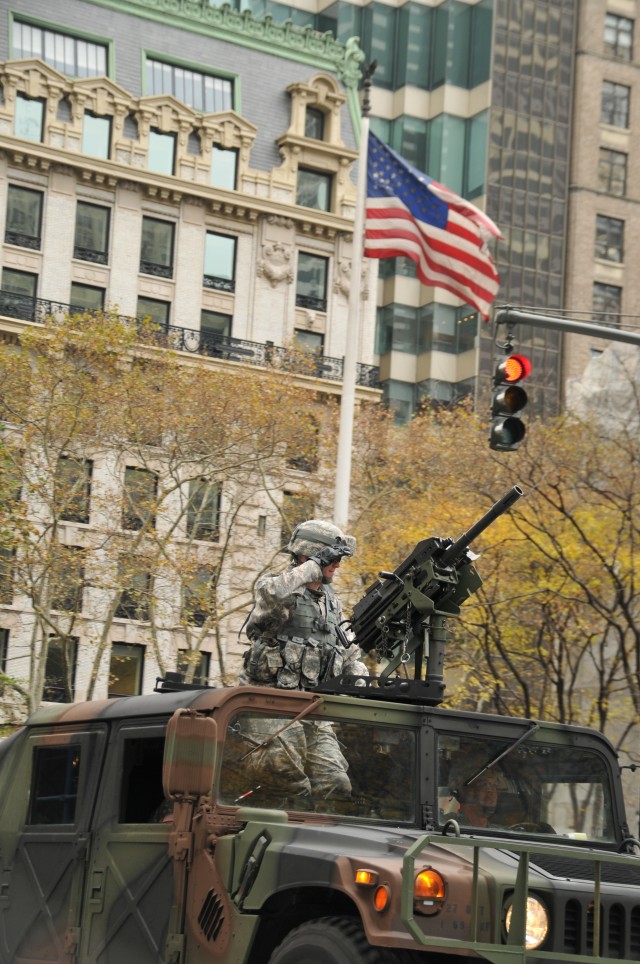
{"points": [[109, 174]]}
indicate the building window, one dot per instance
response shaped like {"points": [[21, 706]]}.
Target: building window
{"points": [[618, 36], [60, 669], [195, 661], [219, 262], [162, 152], [199, 597], [156, 256], [125, 669], [68, 54], [614, 109], [203, 510], [135, 595], [309, 341], [28, 120], [314, 189], [466, 329], [399, 397], [612, 172], [155, 310], [314, 123], [380, 30], [607, 303], [86, 298], [224, 166], [609, 238], [24, 217], [92, 233], [303, 448], [6, 576], [214, 326], [4, 647], [54, 787], [96, 135], [399, 328], [18, 296], [311, 281], [67, 579], [140, 498], [72, 489], [204, 92], [389, 267], [296, 507]]}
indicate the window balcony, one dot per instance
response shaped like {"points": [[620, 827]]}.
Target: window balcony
{"points": [[207, 343]]}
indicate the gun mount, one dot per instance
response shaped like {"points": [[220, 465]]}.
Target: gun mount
{"points": [[403, 616]]}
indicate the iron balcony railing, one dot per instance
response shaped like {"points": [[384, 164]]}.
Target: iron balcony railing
{"points": [[211, 344]]}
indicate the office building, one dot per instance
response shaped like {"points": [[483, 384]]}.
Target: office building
{"points": [[529, 108]]}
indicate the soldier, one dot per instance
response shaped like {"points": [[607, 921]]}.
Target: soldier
{"points": [[296, 642], [477, 793]]}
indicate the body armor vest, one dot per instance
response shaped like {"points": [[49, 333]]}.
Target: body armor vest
{"points": [[305, 650]]}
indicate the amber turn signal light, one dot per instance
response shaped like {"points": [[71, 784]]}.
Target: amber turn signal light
{"points": [[367, 878]]}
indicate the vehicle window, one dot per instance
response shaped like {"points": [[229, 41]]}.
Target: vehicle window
{"points": [[535, 787], [326, 766], [141, 796], [54, 784]]}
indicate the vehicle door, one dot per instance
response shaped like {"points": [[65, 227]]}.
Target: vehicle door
{"points": [[44, 833], [129, 880]]}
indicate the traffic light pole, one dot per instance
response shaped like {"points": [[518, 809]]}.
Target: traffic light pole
{"points": [[512, 316]]}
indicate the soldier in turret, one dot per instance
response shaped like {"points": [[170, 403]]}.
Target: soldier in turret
{"points": [[296, 642]]}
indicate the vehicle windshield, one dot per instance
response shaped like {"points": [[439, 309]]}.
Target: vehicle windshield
{"points": [[349, 769], [535, 788]]}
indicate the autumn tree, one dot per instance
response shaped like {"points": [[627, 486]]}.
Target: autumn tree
{"points": [[553, 632], [138, 490]]}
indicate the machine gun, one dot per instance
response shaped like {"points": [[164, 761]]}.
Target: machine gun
{"points": [[403, 616]]}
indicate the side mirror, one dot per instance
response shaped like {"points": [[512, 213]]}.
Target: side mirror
{"points": [[189, 761]]}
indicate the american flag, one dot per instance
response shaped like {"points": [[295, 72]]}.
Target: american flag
{"points": [[409, 214]]}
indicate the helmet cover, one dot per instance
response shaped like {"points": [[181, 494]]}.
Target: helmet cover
{"points": [[314, 534]]}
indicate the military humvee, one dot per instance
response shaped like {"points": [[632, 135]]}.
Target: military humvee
{"points": [[162, 828], [93, 867]]}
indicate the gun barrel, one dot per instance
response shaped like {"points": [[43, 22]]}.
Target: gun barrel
{"points": [[452, 552]]}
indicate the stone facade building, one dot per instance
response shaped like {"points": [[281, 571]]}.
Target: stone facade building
{"points": [[194, 166]]}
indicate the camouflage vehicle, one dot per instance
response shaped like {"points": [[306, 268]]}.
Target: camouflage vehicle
{"points": [[158, 829]]}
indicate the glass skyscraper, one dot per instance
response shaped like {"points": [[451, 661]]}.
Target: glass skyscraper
{"points": [[478, 95]]}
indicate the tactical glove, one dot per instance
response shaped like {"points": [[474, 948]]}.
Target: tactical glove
{"points": [[330, 554]]}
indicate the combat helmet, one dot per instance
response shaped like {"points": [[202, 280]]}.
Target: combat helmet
{"points": [[314, 534]]}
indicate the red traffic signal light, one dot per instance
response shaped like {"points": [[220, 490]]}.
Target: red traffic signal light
{"points": [[513, 369], [509, 398]]}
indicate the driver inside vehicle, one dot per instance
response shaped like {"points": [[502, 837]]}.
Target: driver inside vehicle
{"points": [[477, 793]]}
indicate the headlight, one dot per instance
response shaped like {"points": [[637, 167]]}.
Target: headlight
{"points": [[536, 925]]}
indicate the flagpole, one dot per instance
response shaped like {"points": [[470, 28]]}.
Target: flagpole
{"points": [[347, 404]]}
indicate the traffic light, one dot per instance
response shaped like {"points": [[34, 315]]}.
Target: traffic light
{"points": [[509, 398]]}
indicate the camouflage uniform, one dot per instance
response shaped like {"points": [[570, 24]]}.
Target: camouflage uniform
{"points": [[294, 645]]}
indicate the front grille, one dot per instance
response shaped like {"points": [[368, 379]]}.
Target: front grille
{"points": [[619, 916], [619, 930]]}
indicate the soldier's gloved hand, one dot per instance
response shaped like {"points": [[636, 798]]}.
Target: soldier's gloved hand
{"points": [[330, 554]]}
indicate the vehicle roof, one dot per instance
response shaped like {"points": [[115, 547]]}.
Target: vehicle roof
{"points": [[122, 707], [206, 700]]}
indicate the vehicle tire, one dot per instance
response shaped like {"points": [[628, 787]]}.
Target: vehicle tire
{"points": [[332, 940]]}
